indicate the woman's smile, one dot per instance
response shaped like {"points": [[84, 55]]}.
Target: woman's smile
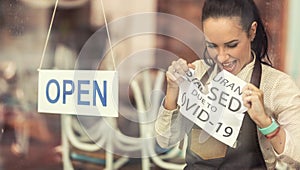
{"points": [[229, 65]]}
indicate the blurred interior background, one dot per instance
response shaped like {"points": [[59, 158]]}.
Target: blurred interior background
{"points": [[31, 140]]}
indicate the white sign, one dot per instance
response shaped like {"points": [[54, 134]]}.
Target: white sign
{"points": [[78, 92], [220, 112]]}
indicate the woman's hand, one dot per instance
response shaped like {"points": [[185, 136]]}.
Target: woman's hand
{"points": [[177, 71], [253, 99], [175, 74]]}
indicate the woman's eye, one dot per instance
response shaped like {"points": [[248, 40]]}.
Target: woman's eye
{"points": [[210, 45], [232, 45]]}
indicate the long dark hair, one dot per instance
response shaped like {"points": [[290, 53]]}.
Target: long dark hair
{"points": [[248, 12]]}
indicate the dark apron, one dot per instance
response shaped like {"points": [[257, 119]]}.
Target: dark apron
{"points": [[246, 155]]}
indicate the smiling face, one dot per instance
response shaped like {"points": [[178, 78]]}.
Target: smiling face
{"points": [[227, 43]]}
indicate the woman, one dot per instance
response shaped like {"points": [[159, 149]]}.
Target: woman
{"points": [[236, 41]]}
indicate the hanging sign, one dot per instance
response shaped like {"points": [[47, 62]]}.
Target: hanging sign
{"points": [[219, 111], [78, 92]]}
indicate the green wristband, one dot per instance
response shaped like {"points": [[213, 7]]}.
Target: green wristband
{"points": [[271, 128]]}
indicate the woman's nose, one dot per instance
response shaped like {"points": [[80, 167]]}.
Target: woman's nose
{"points": [[222, 56]]}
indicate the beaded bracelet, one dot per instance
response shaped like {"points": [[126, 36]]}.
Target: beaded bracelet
{"points": [[271, 128], [274, 134]]}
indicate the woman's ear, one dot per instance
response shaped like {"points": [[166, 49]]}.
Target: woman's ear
{"points": [[252, 31]]}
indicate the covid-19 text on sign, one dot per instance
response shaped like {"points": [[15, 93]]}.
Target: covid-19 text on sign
{"points": [[219, 111]]}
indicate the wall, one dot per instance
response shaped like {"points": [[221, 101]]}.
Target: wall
{"points": [[293, 41]]}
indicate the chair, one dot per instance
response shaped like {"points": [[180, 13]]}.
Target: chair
{"points": [[147, 95]]}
